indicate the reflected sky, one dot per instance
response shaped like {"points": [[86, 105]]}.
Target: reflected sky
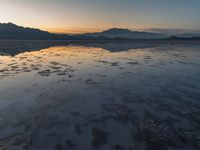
{"points": [[15, 47], [69, 94], [52, 59]]}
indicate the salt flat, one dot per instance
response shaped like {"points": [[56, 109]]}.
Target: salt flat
{"points": [[109, 96]]}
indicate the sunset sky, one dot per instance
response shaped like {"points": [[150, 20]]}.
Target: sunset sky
{"points": [[78, 16]]}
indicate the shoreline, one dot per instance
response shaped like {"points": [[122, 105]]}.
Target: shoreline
{"points": [[144, 41]]}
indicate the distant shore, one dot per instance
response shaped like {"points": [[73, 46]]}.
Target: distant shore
{"points": [[145, 41]]}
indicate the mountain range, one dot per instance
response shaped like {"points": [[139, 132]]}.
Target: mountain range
{"points": [[12, 31], [128, 34]]}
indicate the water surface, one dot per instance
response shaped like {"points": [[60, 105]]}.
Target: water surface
{"points": [[110, 96]]}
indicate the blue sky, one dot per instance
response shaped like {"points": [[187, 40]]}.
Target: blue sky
{"points": [[86, 15]]}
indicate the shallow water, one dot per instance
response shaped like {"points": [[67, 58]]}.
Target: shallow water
{"points": [[109, 96]]}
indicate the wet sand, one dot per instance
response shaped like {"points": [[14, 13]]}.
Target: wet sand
{"points": [[89, 97]]}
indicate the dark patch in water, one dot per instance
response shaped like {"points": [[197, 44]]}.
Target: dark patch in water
{"points": [[99, 137]]}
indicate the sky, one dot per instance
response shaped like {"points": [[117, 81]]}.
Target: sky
{"points": [[79, 16]]}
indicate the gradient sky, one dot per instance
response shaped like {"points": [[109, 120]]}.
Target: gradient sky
{"points": [[76, 16]]}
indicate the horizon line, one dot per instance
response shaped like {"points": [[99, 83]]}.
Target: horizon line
{"points": [[78, 30]]}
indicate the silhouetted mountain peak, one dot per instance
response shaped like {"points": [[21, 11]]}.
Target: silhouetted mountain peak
{"points": [[127, 34], [117, 30], [11, 24], [8, 26], [13, 31]]}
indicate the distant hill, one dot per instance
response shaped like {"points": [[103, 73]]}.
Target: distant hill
{"points": [[184, 38], [12, 31], [190, 35], [127, 34]]}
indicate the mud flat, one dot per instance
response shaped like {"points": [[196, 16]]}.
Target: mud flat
{"points": [[89, 97]]}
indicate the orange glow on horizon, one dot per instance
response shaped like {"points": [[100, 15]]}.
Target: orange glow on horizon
{"points": [[91, 28], [81, 30], [70, 30]]}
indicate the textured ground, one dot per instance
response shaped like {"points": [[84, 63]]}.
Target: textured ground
{"points": [[77, 97]]}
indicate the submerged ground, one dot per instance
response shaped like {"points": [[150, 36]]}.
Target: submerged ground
{"points": [[108, 97]]}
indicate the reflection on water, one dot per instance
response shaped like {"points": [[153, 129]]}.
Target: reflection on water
{"points": [[15, 47], [101, 96]]}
